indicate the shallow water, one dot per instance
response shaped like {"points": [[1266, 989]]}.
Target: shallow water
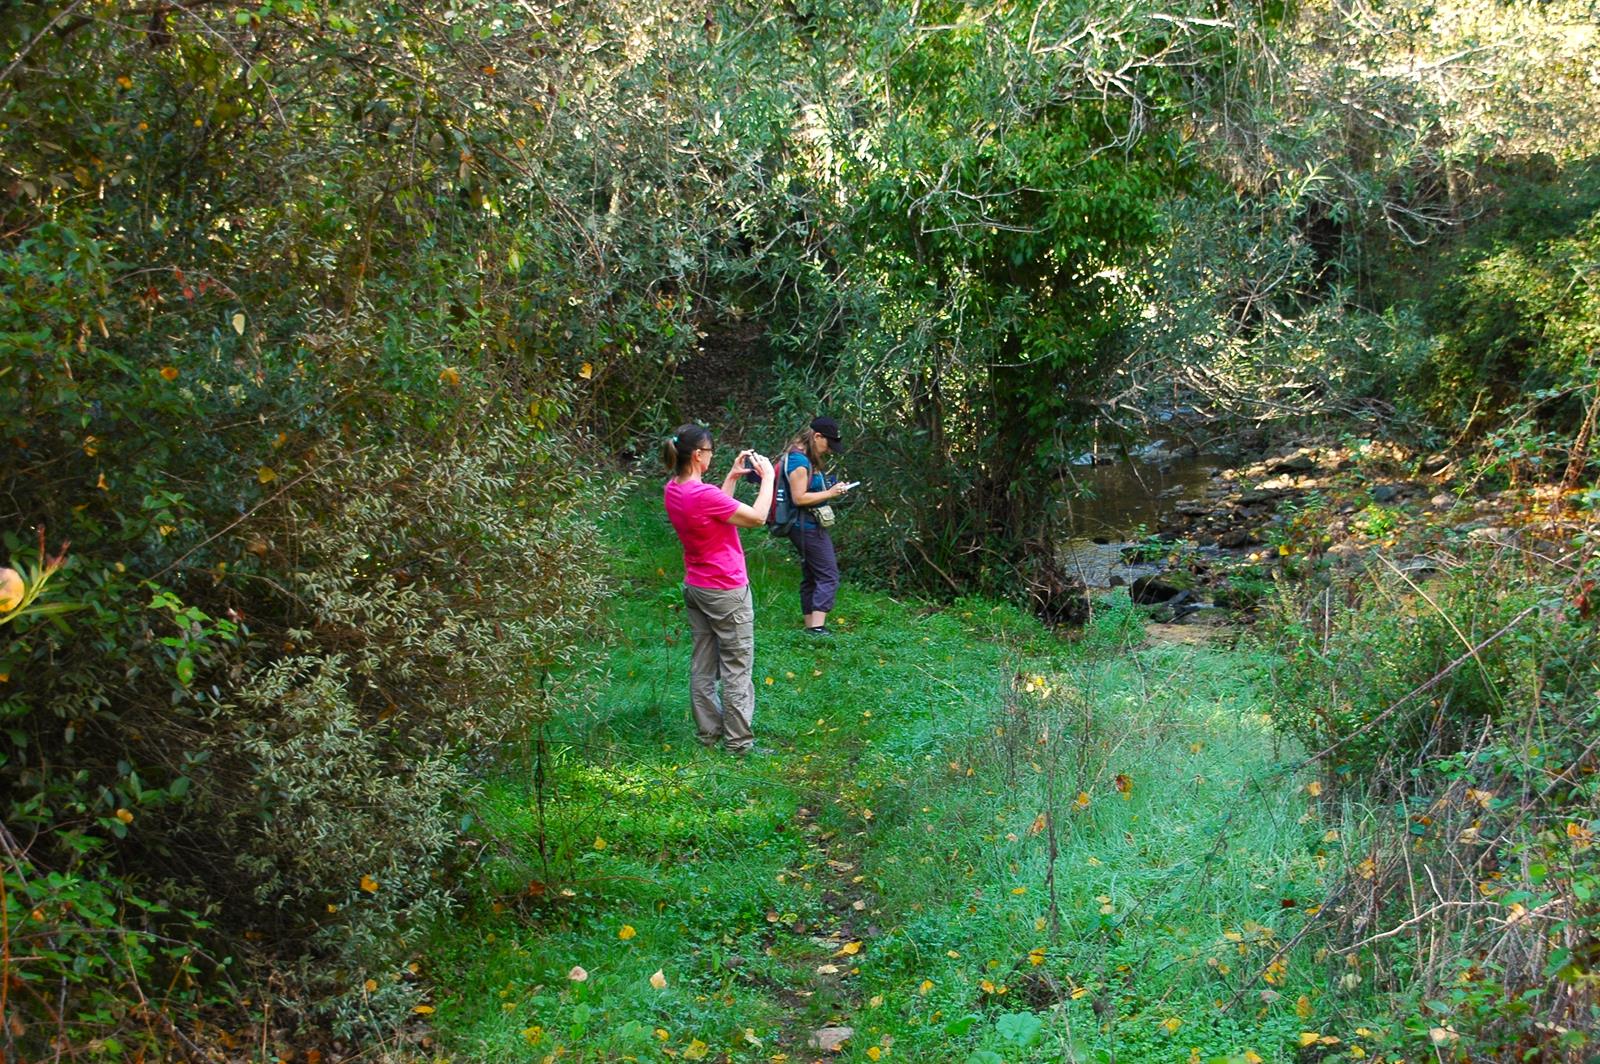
{"points": [[1127, 498], [1113, 506]]}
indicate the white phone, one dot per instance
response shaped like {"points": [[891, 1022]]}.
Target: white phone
{"points": [[849, 485]]}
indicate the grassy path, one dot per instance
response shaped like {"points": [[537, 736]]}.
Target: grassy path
{"points": [[890, 868]]}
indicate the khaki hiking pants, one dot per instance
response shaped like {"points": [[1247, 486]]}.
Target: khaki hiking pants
{"points": [[724, 625]]}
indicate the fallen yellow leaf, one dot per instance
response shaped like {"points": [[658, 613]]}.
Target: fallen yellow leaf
{"points": [[627, 932], [369, 884], [658, 980]]}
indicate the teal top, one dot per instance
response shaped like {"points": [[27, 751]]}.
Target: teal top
{"points": [[795, 460]]}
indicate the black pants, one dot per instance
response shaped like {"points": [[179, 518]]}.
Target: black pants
{"points": [[819, 568]]}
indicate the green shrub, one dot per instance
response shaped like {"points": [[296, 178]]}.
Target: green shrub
{"points": [[1385, 670], [1517, 317], [1453, 719], [274, 375]]}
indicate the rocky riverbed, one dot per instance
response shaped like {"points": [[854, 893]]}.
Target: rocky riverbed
{"points": [[1205, 542]]}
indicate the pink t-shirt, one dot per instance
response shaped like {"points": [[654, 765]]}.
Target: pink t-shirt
{"points": [[713, 557]]}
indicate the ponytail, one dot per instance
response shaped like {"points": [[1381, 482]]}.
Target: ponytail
{"points": [[677, 449]]}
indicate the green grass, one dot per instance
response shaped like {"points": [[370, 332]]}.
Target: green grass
{"points": [[901, 811]]}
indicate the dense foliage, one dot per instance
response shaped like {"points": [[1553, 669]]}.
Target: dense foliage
{"points": [[1461, 711], [257, 322], [322, 325]]}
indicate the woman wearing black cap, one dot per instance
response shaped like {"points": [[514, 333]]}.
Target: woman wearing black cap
{"points": [[802, 467]]}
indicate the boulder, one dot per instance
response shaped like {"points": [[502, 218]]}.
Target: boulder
{"points": [[830, 1039], [1235, 538], [1301, 461], [1148, 591], [1495, 534], [1386, 492]]}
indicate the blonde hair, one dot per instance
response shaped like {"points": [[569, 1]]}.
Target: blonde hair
{"points": [[805, 441]]}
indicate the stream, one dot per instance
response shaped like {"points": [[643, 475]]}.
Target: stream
{"points": [[1112, 506]]}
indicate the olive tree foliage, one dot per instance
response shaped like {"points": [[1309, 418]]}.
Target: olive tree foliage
{"points": [[987, 177], [313, 321], [1351, 147]]}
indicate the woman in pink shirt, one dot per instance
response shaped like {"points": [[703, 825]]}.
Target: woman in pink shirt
{"points": [[716, 587]]}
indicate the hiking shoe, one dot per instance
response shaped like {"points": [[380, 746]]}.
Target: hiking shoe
{"points": [[822, 630], [753, 751]]}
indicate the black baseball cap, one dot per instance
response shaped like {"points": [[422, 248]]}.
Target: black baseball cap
{"points": [[828, 428]]}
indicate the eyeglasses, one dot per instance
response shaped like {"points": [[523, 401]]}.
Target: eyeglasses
{"points": [[706, 449]]}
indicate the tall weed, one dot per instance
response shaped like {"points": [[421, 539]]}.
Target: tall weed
{"points": [[1453, 718]]}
